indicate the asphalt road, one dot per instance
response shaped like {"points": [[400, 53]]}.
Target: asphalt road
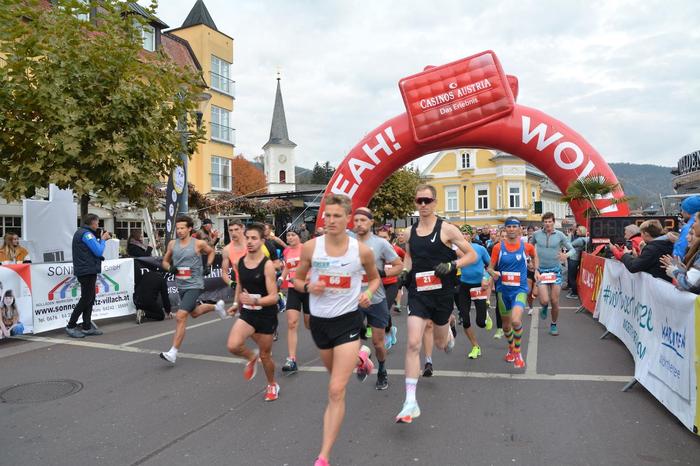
{"points": [[565, 408]]}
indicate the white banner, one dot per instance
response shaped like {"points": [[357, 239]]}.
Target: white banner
{"points": [[657, 324], [15, 282], [56, 292], [50, 225]]}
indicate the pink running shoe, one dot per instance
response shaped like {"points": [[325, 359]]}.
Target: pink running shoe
{"points": [[321, 462], [365, 364]]}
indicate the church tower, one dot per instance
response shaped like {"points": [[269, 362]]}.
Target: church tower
{"points": [[279, 159]]}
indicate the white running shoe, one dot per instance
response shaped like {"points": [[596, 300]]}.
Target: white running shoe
{"points": [[408, 413], [450, 343], [220, 309], [530, 311], [168, 356]]}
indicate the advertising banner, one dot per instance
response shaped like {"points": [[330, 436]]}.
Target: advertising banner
{"points": [[56, 291], [589, 280], [451, 98], [15, 282], [656, 322]]}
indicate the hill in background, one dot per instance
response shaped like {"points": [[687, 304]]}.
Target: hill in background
{"points": [[644, 182]]}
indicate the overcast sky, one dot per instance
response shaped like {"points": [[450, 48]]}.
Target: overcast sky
{"points": [[624, 74]]}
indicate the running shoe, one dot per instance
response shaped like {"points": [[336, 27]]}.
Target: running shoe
{"points": [[364, 363], [93, 330], [251, 367], [272, 392], [382, 381], [290, 366], [474, 353], [489, 322], [281, 303], [519, 363], [530, 311], [75, 332], [553, 330], [393, 333], [450, 343], [428, 369], [275, 336], [408, 413], [220, 309], [499, 334], [543, 312], [510, 355], [572, 296], [368, 332], [139, 316], [387, 341], [321, 462], [168, 356]]}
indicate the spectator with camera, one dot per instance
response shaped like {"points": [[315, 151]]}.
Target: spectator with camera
{"points": [[656, 245], [633, 242]]}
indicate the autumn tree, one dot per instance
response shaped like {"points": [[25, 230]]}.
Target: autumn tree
{"points": [[84, 106], [247, 178], [394, 198]]}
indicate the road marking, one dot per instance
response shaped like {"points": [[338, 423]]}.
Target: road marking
{"points": [[158, 335], [398, 372], [533, 339]]}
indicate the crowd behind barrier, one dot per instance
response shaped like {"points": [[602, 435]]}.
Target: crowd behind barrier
{"points": [[658, 324]]}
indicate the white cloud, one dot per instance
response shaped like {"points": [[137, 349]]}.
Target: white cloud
{"points": [[623, 74]]}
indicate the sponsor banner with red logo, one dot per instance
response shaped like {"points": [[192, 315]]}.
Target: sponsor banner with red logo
{"points": [[589, 279], [16, 283], [56, 291], [452, 98]]}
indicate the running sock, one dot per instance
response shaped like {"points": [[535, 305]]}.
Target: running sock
{"points": [[381, 365], [518, 334], [411, 389], [173, 350], [428, 360], [509, 336]]}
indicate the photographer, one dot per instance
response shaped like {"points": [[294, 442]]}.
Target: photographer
{"points": [[87, 263], [656, 246]]}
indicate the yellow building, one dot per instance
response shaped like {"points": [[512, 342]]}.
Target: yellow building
{"points": [[484, 187], [210, 167]]}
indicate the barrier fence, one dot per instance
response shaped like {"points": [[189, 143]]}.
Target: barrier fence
{"points": [[656, 322]]}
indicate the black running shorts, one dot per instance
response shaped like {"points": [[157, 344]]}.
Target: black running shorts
{"points": [[297, 301], [430, 305], [263, 322], [335, 331]]}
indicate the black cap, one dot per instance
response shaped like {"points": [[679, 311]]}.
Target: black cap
{"points": [[207, 221]]}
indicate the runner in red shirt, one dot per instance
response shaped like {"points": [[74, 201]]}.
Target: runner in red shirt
{"points": [[296, 301], [391, 286]]}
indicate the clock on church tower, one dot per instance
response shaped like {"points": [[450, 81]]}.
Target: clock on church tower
{"points": [[282, 158]]}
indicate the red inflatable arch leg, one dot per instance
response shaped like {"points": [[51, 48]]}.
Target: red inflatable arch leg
{"points": [[545, 142]]}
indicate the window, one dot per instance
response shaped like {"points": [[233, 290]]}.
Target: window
{"points": [[466, 160], [148, 34], [10, 225], [221, 75], [283, 176], [220, 174], [451, 200], [482, 197], [221, 124], [534, 195], [514, 197], [123, 228]]}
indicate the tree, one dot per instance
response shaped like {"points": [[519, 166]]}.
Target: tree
{"points": [[394, 198], [83, 106], [322, 174], [247, 178], [586, 190]]}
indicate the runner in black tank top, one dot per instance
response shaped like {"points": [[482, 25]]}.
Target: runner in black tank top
{"points": [[256, 297], [430, 274]]}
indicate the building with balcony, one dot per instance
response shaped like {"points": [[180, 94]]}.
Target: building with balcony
{"points": [[210, 167], [484, 187], [687, 179]]}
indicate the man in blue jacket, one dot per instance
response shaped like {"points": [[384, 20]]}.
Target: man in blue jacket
{"points": [[689, 207], [87, 263]]}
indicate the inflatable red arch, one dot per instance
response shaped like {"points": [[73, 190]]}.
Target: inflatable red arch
{"points": [[469, 103]]}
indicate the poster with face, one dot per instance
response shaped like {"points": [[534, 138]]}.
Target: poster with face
{"points": [[16, 293]]}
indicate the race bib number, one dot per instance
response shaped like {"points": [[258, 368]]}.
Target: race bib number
{"points": [[510, 278], [292, 263], [183, 273], [549, 277], [478, 294], [336, 283], [250, 306], [427, 281]]}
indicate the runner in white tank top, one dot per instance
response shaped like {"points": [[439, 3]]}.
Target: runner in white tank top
{"points": [[337, 263]]}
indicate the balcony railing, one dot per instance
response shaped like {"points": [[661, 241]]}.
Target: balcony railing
{"points": [[220, 182], [223, 133], [223, 84]]}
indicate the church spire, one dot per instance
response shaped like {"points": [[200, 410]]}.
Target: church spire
{"points": [[199, 15], [278, 130]]}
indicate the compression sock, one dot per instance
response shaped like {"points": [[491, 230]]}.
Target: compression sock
{"points": [[381, 365], [509, 336], [518, 335], [411, 389]]}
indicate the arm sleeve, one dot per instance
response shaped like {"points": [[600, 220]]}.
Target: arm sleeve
{"points": [[96, 246]]}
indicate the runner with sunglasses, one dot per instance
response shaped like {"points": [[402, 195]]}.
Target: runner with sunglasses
{"points": [[430, 270]]}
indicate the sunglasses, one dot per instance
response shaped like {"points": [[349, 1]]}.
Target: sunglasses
{"points": [[424, 200]]}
